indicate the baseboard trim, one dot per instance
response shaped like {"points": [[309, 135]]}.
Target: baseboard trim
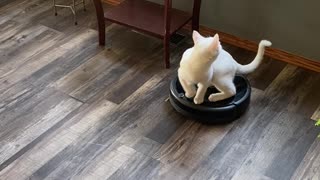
{"points": [[252, 46], [271, 52], [112, 2]]}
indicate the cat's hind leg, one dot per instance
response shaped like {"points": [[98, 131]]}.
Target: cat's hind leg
{"points": [[227, 90], [189, 89]]}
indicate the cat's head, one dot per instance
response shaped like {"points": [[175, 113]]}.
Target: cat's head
{"points": [[206, 47]]}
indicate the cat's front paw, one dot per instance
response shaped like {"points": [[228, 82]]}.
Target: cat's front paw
{"points": [[198, 100], [190, 95]]}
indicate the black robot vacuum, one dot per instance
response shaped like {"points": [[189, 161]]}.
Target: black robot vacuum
{"points": [[220, 112]]}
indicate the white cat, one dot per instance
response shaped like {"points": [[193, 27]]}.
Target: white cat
{"points": [[207, 64]]}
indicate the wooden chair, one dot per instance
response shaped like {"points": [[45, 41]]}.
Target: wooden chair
{"points": [[148, 17]]}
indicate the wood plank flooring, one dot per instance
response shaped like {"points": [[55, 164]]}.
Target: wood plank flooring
{"points": [[70, 109]]}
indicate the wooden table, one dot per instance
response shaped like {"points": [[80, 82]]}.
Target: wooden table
{"points": [[160, 21]]}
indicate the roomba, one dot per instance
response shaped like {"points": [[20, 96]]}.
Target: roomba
{"points": [[219, 112]]}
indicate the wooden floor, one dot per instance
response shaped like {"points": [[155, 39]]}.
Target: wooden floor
{"points": [[70, 109]]}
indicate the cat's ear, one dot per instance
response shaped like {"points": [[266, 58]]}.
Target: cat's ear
{"points": [[215, 43], [196, 37]]}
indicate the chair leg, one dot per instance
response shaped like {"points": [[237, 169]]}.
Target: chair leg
{"points": [[102, 34], [166, 45], [195, 22], [84, 5], [195, 25], [55, 8], [73, 8], [196, 15], [101, 22]]}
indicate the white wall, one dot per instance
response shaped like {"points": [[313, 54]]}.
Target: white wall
{"points": [[292, 25]]}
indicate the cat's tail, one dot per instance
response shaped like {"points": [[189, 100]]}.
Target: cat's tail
{"points": [[245, 69]]}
